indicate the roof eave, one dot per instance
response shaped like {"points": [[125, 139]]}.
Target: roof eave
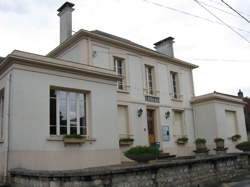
{"points": [[47, 62], [82, 32], [215, 97]]}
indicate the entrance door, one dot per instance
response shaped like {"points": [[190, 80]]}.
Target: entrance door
{"points": [[151, 127]]}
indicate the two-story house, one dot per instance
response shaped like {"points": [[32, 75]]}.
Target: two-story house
{"points": [[105, 88]]}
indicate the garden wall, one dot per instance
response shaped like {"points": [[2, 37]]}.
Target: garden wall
{"points": [[208, 171]]}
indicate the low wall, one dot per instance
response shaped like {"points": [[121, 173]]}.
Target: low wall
{"points": [[208, 171]]}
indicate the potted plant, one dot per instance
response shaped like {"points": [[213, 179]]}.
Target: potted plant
{"points": [[74, 139], [126, 141], [142, 153], [182, 141], [219, 143], [201, 145], [235, 137], [243, 146]]}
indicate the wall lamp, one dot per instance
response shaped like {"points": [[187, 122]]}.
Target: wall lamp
{"points": [[167, 114], [139, 112]]}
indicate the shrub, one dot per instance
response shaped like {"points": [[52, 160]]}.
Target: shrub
{"points": [[243, 146], [142, 153], [236, 137], [218, 140], [200, 141], [126, 140], [74, 136], [141, 150], [182, 140]]}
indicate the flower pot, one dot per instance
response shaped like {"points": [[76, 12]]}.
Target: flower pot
{"points": [[201, 146], [219, 144], [74, 140], [144, 158], [181, 142]]}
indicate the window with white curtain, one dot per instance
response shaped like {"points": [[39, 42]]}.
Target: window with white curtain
{"points": [[67, 112]]}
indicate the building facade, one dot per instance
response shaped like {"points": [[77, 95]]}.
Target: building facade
{"points": [[105, 88]]}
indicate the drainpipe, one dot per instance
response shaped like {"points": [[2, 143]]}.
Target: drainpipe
{"points": [[8, 131]]}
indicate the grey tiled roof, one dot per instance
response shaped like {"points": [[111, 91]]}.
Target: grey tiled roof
{"points": [[120, 39]]}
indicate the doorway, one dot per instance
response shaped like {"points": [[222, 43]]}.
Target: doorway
{"points": [[151, 126]]}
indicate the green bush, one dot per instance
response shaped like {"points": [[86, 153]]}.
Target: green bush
{"points": [[74, 136], [142, 154], [243, 146], [236, 137], [218, 140], [200, 141], [182, 139], [142, 150], [126, 140]]}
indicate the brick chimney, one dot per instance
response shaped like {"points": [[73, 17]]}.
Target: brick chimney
{"points": [[65, 14], [165, 46]]}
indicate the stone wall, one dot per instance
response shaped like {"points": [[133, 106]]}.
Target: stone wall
{"points": [[208, 171]]}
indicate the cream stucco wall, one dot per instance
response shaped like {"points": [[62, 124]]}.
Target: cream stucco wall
{"points": [[134, 98], [29, 143], [4, 84], [210, 122]]}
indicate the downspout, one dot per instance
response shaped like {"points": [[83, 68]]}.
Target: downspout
{"points": [[8, 130], [194, 125]]}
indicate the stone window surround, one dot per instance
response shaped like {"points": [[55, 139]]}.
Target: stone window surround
{"points": [[58, 137]]}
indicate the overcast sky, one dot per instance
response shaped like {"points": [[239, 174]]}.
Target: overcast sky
{"points": [[223, 55]]}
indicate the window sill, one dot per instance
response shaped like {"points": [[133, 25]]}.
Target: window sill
{"points": [[123, 91], [149, 95], [176, 100], [1, 140], [60, 138]]}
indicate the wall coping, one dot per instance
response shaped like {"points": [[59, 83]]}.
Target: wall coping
{"points": [[119, 170]]}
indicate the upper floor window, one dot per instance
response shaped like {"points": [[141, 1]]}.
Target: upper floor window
{"points": [[149, 80], [175, 85], [67, 112], [1, 112], [119, 67]]}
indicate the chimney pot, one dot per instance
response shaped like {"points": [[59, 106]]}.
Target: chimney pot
{"points": [[240, 94], [165, 46], [65, 14]]}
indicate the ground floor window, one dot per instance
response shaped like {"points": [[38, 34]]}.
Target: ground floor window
{"points": [[178, 123], [67, 112], [123, 121], [231, 123]]}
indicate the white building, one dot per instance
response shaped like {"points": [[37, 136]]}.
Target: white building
{"points": [[106, 88]]}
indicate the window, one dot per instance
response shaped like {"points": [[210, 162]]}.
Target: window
{"points": [[175, 85], [67, 112], [123, 121], [119, 67], [231, 123], [149, 80], [1, 112], [178, 123]]}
